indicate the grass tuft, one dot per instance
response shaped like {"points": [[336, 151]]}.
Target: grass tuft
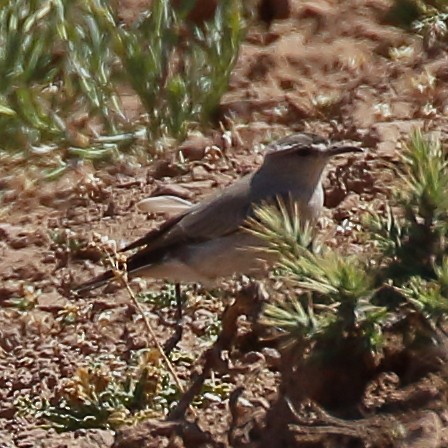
{"points": [[65, 65]]}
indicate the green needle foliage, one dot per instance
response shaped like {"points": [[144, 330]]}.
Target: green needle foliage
{"points": [[280, 226], [297, 324], [65, 59], [334, 302], [413, 237], [427, 297], [179, 73], [345, 304], [330, 294]]}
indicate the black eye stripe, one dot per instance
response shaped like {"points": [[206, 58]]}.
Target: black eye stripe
{"points": [[305, 152], [301, 151]]}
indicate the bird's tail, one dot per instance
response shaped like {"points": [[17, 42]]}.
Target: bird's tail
{"points": [[96, 282]]}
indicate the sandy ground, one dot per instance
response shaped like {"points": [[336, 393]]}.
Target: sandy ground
{"points": [[332, 67]]}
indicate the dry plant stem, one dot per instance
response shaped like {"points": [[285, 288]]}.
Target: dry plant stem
{"points": [[178, 412], [121, 274], [247, 302], [233, 407], [324, 423], [139, 434], [154, 337]]}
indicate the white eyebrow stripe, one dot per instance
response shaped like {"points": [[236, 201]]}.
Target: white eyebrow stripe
{"points": [[320, 146]]}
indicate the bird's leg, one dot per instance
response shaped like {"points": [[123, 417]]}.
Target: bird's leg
{"points": [[179, 301], [177, 336]]}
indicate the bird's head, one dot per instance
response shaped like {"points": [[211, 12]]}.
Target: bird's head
{"points": [[306, 147], [302, 157]]}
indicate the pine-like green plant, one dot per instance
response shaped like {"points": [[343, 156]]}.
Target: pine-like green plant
{"points": [[412, 235], [429, 297], [335, 291], [279, 225], [335, 298], [340, 319]]}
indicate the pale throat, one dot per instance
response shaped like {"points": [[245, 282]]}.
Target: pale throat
{"points": [[300, 173]]}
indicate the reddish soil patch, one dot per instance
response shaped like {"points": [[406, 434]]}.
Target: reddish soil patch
{"points": [[327, 68]]}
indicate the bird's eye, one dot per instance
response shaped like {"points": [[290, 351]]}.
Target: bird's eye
{"points": [[305, 152]]}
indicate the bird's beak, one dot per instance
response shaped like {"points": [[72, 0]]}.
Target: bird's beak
{"points": [[336, 150]]}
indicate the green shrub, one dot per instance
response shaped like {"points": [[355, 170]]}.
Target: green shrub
{"points": [[64, 64], [335, 301]]}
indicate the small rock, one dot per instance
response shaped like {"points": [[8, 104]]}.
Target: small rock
{"points": [[6, 230], [200, 173], [49, 257], [23, 239], [389, 133], [334, 196], [19, 242], [7, 292], [173, 190], [272, 356], [270, 10], [254, 357], [154, 433], [28, 438], [340, 214], [52, 302], [164, 168], [28, 271], [350, 202], [111, 209], [193, 148], [198, 327], [199, 185], [95, 438], [7, 412], [314, 9]]}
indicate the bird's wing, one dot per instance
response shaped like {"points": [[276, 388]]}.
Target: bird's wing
{"points": [[218, 216], [169, 205]]}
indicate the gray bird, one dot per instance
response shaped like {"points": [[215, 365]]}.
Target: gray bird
{"points": [[207, 241]]}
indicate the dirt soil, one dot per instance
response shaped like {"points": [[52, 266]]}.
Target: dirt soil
{"points": [[332, 67]]}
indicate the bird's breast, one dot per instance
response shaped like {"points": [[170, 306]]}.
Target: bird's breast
{"points": [[313, 206], [304, 188]]}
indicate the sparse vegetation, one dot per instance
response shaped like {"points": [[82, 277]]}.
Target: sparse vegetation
{"points": [[108, 393], [344, 344], [60, 95], [349, 306], [426, 17], [164, 298], [107, 396], [410, 237]]}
